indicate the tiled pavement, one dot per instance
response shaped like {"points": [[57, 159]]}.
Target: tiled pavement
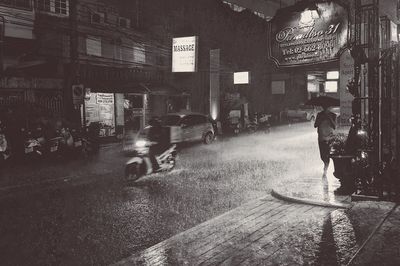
{"points": [[258, 231], [306, 225]]}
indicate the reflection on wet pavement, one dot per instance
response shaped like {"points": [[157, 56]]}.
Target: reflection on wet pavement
{"points": [[263, 232], [104, 221]]}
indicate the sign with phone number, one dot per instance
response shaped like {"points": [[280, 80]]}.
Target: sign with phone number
{"points": [[302, 36]]}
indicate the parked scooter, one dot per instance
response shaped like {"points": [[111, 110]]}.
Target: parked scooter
{"points": [[145, 162], [90, 138], [259, 123], [234, 125], [53, 146], [32, 145], [4, 148], [77, 140], [263, 123], [34, 142]]}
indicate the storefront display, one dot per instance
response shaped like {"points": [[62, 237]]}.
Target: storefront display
{"points": [[100, 108]]}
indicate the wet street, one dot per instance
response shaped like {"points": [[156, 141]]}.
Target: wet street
{"points": [[81, 212]]}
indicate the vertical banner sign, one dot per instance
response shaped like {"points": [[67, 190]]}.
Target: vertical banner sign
{"points": [[346, 73], [214, 83], [184, 54], [306, 34]]}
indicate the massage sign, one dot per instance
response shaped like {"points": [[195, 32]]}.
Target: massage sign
{"points": [[308, 34]]}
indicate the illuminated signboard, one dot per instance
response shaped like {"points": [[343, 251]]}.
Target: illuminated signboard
{"points": [[241, 78], [184, 54], [306, 34]]}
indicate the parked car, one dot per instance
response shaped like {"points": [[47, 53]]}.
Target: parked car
{"points": [[189, 127], [303, 112]]}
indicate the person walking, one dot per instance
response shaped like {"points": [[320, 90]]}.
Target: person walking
{"points": [[326, 125]]}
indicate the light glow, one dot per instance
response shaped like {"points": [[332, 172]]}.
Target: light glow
{"points": [[241, 77], [141, 143]]}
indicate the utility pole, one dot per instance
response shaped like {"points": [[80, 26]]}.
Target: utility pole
{"points": [[72, 110], [2, 37]]}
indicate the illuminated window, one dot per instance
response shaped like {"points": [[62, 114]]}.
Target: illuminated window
{"points": [[331, 86], [241, 78], [312, 87], [331, 83], [310, 77], [332, 75]]}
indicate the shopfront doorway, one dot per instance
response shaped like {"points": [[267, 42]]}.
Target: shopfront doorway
{"points": [[135, 111], [100, 108], [323, 83]]}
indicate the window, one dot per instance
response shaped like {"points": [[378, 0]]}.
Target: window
{"points": [[332, 75], [187, 121], [331, 83], [60, 7], [278, 87], [331, 86], [24, 4], [97, 17], [124, 22], [312, 86], [198, 119], [139, 54], [234, 7], [170, 120], [44, 5], [93, 45]]}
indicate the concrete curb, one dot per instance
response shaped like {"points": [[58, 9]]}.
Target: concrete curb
{"points": [[281, 196]]}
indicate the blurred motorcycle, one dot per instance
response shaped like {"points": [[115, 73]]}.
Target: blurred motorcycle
{"points": [[145, 162]]}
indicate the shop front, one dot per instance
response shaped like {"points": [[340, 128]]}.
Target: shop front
{"points": [[102, 108], [30, 101], [307, 40], [323, 82], [126, 111], [365, 79]]}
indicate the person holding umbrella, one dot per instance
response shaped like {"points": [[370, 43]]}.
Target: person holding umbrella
{"points": [[326, 125]]}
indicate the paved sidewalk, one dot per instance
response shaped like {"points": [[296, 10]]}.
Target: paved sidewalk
{"points": [[304, 224]]}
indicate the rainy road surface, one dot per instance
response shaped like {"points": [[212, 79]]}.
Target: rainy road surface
{"points": [[83, 213]]}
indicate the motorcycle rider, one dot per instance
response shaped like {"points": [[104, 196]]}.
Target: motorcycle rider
{"points": [[157, 134]]}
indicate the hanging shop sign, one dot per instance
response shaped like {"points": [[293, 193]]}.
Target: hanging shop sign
{"points": [[306, 34], [184, 54]]}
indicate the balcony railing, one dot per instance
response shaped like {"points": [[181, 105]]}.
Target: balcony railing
{"points": [[20, 4]]}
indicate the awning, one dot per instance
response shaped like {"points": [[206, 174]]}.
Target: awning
{"points": [[26, 64], [114, 86], [133, 87]]}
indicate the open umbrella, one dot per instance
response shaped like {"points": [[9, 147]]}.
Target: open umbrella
{"points": [[323, 101]]}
